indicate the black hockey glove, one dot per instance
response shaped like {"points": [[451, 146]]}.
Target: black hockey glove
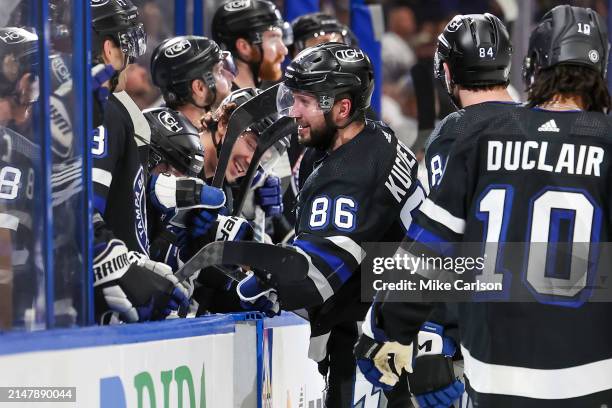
{"points": [[130, 285]]}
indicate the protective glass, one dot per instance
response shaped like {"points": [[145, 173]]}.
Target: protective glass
{"points": [[133, 42], [295, 104]]}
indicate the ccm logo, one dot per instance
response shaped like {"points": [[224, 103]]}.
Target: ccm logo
{"points": [[177, 49], [350, 55]]}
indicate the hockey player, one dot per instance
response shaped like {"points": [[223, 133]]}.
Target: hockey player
{"points": [[355, 194], [315, 28], [127, 285], [472, 62], [477, 86], [19, 157], [193, 73], [506, 365], [253, 32]]}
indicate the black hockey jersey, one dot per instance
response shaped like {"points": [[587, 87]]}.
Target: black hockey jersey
{"points": [[120, 152], [19, 173], [527, 176], [446, 131], [364, 191]]}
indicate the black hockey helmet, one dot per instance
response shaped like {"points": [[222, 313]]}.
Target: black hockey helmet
{"points": [[245, 19], [179, 60], [242, 95], [313, 25], [326, 71], [174, 140], [477, 49], [568, 35], [117, 19], [18, 56]]}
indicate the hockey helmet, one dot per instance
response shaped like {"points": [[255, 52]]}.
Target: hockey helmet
{"points": [[568, 35], [117, 19], [174, 140], [477, 49], [326, 71], [247, 19], [314, 25], [179, 60], [18, 56]]}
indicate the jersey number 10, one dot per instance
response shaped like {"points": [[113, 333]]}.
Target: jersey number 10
{"points": [[547, 211]]}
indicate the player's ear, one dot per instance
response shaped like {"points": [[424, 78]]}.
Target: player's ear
{"points": [[345, 105], [199, 89], [109, 49]]}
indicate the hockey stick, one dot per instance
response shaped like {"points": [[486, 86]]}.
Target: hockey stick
{"points": [[243, 117], [274, 265], [279, 130]]}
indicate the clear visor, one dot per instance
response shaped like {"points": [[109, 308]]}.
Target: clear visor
{"points": [[320, 38], [133, 41], [271, 157], [296, 104], [287, 33], [228, 64]]}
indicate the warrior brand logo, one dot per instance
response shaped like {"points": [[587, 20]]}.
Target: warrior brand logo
{"points": [[169, 122], [454, 25], [12, 37], [111, 266], [237, 5], [98, 3], [140, 212], [350, 55], [593, 56], [181, 47]]}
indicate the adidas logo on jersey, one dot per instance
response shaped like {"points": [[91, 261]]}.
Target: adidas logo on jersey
{"points": [[549, 126]]}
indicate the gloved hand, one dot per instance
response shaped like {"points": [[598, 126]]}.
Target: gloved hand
{"points": [[433, 381], [374, 353], [100, 75], [172, 195], [134, 287], [269, 195], [254, 296]]}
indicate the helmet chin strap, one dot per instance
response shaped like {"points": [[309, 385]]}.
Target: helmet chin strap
{"points": [[449, 85], [253, 66]]}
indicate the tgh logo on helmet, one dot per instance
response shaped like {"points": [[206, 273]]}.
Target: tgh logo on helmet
{"points": [[98, 3], [350, 55], [169, 122], [237, 5], [12, 37], [454, 25], [177, 49]]}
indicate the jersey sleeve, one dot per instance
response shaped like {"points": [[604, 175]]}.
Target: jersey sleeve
{"points": [[437, 149], [108, 150]]}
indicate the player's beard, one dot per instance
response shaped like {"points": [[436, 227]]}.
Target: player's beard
{"points": [[271, 70], [320, 138]]}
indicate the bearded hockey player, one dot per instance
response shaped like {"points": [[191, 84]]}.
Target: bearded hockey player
{"points": [[127, 285], [253, 32], [355, 194], [546, 191]]}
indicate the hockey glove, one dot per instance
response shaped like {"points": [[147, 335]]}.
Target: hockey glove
{"points": [[134, 287], [269, 195], [172, 195], [254, 296], [433, 381], [100, 75], [375, 353]]}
